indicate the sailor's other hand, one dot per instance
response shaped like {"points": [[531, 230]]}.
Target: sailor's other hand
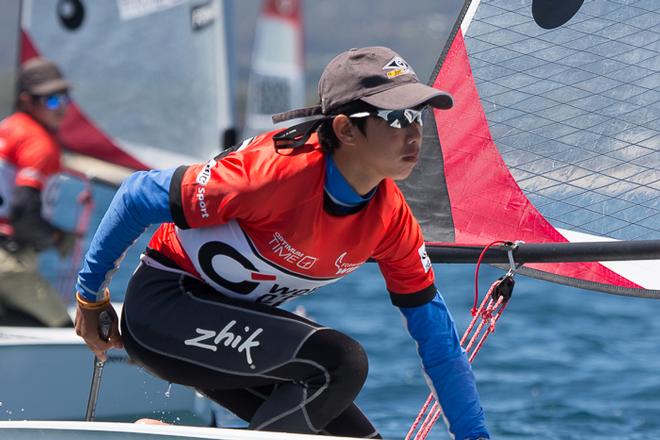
{"points": [[88, 327], [65, 241]]}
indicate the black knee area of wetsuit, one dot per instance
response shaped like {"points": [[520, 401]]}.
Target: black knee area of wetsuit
{"points": [[342, 356], [330, 369]]}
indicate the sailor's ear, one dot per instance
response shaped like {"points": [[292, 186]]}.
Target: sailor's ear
{"points": [[25, 101], [345, 131]]}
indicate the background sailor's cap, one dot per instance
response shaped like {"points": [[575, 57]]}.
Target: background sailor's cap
{"points": [[40, 77]]}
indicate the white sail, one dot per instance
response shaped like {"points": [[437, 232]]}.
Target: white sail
{"points": [[151, 79], [277, 77]]}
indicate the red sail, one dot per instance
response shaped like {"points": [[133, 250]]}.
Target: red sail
{"points": [[553, 138], [486, 202]]}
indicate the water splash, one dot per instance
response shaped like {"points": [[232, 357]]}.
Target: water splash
{"points": [[168, 393]]}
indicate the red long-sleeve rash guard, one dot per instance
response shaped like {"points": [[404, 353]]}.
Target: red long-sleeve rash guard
{"points": [[253, 224]]}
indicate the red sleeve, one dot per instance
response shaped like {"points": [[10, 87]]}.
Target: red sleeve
{"points": [[402, 257], [37, 158]]}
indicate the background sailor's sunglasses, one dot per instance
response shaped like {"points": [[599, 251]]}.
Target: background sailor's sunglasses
{"points": [[55, 101], [395, 118]]}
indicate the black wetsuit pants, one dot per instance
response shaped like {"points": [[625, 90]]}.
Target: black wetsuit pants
{"points": [[272, 368]]}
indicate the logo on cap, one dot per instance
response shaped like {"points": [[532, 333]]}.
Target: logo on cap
{"points": [[396, 67]]}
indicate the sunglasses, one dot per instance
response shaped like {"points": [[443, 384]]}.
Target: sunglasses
{"points": [[55, 101], [297, 135], [395, 118]]}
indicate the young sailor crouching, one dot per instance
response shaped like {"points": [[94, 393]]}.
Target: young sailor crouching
{"points": [[279, 216]]}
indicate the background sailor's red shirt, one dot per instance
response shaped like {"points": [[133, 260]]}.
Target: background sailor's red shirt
{"points": [[30, 148]]}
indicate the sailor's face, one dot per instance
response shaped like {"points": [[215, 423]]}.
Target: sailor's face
{"points": [[392, 152], [50, 110]]}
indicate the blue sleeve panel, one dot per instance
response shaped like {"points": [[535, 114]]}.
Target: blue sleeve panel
{"points": [[447, 367], [142, 200]]}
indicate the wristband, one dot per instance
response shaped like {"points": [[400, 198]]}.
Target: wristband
{"points": [[90, 305]]}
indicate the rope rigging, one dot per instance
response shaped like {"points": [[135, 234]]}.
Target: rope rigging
{"points": [[487, 314]]}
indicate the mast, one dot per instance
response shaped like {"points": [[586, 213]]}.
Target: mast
{"points": [[10, 11]]}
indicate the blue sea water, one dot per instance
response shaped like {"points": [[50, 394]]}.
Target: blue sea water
{"points": [[563, 363]]}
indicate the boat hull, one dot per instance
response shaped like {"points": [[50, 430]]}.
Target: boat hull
{"points": [[46, 373]]}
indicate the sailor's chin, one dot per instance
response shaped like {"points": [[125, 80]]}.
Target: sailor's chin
{"points": [[404, 173]]}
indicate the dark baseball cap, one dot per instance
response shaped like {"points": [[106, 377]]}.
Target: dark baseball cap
{"points": [[40, 77], [376, 75]]}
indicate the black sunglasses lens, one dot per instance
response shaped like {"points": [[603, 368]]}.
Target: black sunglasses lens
{"points": [[398, 118], [405, 117]]}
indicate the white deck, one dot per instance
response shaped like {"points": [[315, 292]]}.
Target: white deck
{"points": [[129, 431]]}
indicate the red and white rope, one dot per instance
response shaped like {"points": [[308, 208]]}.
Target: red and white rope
{"points": [[486, 316]]}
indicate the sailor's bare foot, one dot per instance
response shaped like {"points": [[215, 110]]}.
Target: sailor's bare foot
{"points": [[150, 422]]}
